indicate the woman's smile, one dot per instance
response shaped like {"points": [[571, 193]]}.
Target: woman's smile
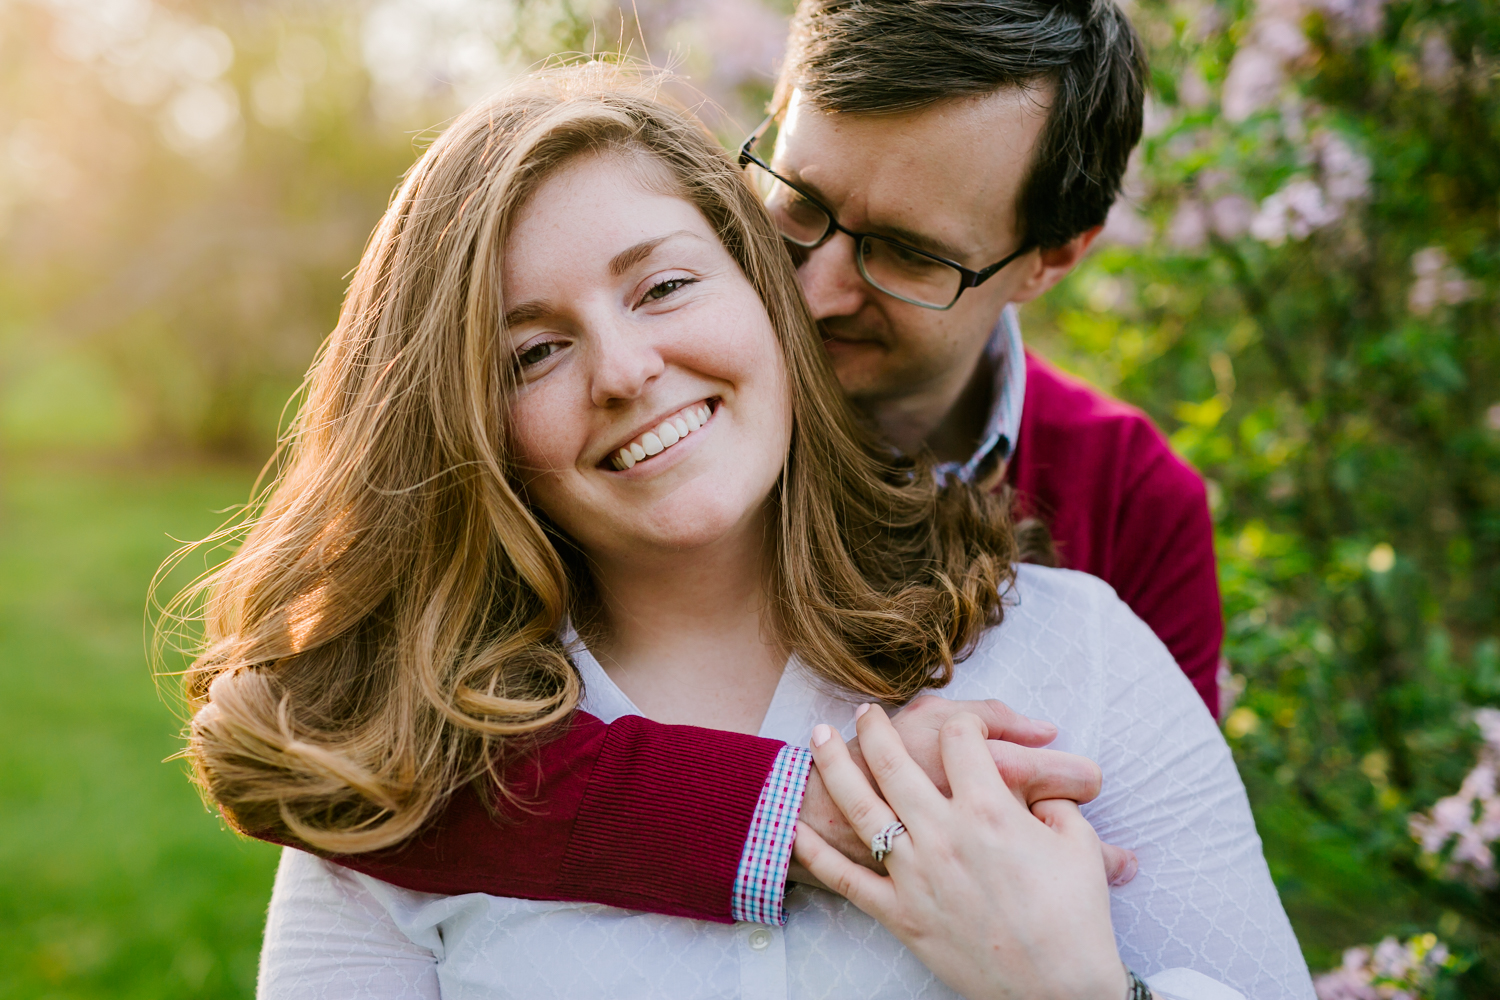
{"points": [[667, 434]]}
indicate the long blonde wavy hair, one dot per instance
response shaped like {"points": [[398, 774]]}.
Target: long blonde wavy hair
{"points": [[388, 628]]}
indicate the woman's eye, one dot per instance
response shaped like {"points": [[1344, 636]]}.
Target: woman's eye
{"points": [[537, 353], [662, 289]]}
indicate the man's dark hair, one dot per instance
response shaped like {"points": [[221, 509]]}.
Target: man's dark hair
{"points": [[883, 56]]}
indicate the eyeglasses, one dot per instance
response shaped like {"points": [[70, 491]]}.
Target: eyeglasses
{"points": [[901, 271]]}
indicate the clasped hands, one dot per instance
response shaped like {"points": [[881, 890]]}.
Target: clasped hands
{"points": [[1016, 746], [999, 885]]}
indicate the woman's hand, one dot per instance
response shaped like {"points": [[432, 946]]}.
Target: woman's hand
{"points": [[1015, 745], [998, 901]]}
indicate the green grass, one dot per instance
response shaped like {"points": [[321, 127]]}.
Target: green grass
{"points": [[114, 879]]}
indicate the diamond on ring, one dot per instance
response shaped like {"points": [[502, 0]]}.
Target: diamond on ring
{"points": [[881, 843]]}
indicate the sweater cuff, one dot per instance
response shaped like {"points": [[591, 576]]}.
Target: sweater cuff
{"points": [[665, 818], [760, 883]]}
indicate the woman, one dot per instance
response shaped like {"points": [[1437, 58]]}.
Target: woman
{"points": [[575, 426]]}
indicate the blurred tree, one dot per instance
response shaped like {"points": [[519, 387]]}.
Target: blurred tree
{"points": [[183, 186], [1303, 283]]}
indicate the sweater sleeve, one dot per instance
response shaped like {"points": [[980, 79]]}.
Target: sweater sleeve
{"points": [[634, 814], [1163, 565]]}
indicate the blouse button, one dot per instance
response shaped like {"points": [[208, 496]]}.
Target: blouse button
{"points": [[760, 939]]}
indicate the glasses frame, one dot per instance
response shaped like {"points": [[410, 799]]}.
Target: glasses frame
{"points": [[967, 278]]}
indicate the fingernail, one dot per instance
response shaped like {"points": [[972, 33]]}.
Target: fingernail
{"points": [[861, 710], [1132, 865], [821, 733]]}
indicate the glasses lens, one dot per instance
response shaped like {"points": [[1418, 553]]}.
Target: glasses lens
{"points": [[799, 220], [908, 275]]}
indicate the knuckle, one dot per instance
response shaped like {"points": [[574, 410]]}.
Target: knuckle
{"points": [[987, 813], [862, 815], [881, 763], [1001, 709], [960, 723]]}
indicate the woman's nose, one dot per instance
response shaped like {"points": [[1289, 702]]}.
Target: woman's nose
{"points": [[830, 280], [626, 360]]}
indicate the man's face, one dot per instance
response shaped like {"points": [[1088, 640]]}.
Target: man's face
{"points": [[944, 179]]}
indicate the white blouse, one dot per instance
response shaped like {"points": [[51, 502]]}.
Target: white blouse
{"points": [[1202, 911]]}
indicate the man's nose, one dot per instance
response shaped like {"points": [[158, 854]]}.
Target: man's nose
{"points": [[626, 359], [831, 280]]}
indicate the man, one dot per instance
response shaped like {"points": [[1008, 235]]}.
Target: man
{"points": [[937, 162], [997, 147]]}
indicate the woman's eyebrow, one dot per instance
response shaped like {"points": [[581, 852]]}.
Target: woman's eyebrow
{"points": [[631, 256], [621, 262], [526, 312]]}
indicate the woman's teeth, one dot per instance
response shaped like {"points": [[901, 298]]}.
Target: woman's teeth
{"points": [[657, 440]]}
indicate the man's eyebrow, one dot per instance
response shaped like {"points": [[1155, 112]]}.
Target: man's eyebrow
{"points": [[621, 262], [631, 256], [920, 241]]}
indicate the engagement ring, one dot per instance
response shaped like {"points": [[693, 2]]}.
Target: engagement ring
{"points": [[880, 844]]}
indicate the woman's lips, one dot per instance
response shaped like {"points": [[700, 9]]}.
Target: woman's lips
{"points": [[663, 436]]}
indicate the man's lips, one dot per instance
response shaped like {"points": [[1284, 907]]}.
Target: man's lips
{"points": [[845, 344], [832, 339]]}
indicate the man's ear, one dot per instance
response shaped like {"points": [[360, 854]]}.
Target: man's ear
{"points": [[1051, 265]]}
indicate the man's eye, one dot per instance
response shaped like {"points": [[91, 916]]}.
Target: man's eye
{"points": [[662, 289], [537, 353]]}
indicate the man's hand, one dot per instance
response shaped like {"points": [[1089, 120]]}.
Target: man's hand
{"points": [[1015, 743]]}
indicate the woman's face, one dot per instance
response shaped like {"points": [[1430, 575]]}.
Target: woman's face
{"points": [[653, 413]]}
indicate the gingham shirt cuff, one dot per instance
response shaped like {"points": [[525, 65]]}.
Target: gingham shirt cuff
{"points": [[760, 883]]}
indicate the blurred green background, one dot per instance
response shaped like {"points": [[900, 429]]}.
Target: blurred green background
{"points": [[1300, 286]]}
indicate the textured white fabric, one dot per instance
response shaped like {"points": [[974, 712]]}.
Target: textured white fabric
{"points": [[1176, 984], [1068, 651]]}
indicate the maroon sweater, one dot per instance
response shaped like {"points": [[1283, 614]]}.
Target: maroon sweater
{"points": [[646, 816]]}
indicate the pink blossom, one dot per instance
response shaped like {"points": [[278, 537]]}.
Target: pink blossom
{"points": [[1254, 79], [1469, 820], [1346, 174], [1259, 68], [1438, 282], [1354, 19], [1437, 60], [1488, 721], [744, 37], [1282, 37], [1192, 89], [1126, 226], [1232, 215], [1156, 118], [1343, 985], [1389, 971], [1294, 211], [1390, 960], [1188, 229]]}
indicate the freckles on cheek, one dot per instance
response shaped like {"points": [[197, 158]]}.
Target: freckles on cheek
{"points": [[541, 445]]}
